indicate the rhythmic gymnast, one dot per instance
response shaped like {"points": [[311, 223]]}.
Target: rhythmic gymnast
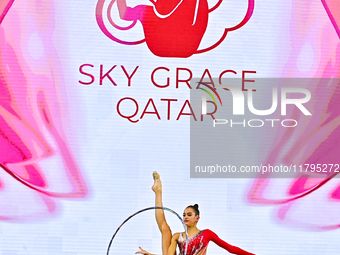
{"points": [[198, 239]]}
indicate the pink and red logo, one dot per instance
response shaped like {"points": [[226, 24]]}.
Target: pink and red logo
{"points": [[172, 28]]}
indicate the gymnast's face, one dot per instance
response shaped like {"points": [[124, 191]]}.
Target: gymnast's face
{"points": [[189, 217]]}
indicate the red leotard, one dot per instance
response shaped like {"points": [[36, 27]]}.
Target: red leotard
{"points": [[198, 244]]}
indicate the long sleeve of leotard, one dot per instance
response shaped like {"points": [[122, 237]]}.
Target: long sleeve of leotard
{"points": [[232, 249]]}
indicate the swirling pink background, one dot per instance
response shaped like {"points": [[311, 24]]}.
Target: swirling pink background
{"points": [[39, 168], [314, 53], [37, 163]]}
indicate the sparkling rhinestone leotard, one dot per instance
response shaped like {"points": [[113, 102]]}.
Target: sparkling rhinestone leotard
{"points": [[198, 244]]}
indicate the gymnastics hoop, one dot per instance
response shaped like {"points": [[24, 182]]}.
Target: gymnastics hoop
{"points": [[146, 209]]}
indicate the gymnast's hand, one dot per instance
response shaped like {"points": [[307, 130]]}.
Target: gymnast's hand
{"points": [[143, 252]]}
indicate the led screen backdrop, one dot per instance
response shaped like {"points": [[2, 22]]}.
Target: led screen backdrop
{"points": [[96, 95]]}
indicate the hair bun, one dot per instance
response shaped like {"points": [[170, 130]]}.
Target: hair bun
{"points": [[195, 208]]}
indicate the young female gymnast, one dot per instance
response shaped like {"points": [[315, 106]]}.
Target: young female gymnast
{"points": [[198, 239]]}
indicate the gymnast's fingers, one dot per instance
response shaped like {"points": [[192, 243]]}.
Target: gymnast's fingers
{"points": [[142, 251]]}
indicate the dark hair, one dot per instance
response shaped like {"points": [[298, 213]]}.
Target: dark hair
{"points": [[195, 208]]}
